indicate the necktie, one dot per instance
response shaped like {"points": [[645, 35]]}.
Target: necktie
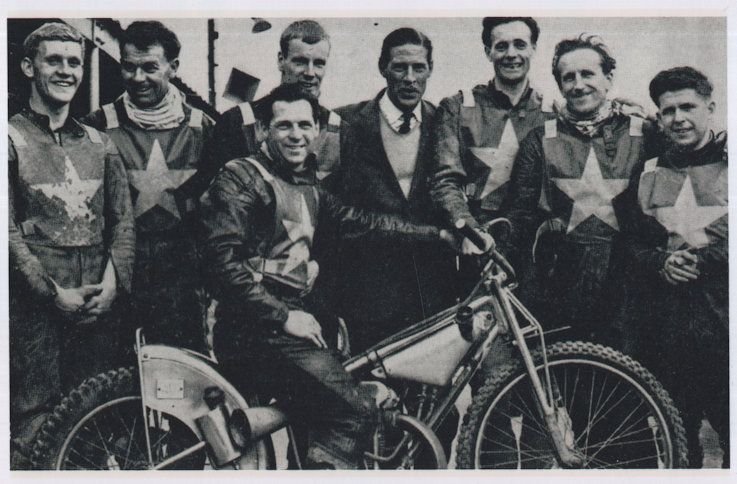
{"points": [[406, 118]]}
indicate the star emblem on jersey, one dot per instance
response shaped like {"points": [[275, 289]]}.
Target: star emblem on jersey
{"points": [[499, 160], [592, 194], [301, 233], [73, 191], [687, 218], [153, 182]]}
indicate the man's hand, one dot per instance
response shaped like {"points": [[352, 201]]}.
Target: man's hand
{"points": [[72, 300], [453, 241], [106, 292], [469, 248], [304, 325], [679, 267]]}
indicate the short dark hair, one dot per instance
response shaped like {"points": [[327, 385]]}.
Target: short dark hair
{"points": [[264, 108], [584, 41], [143, 34], [400, 37], [308, 31], [679, 78], [490, 22], [51, 31]]}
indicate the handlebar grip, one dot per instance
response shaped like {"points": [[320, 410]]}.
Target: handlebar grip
{"points": [[471, 234]]}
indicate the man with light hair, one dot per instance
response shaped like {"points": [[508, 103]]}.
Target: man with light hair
{"points": [[304, 49], [71, 238], [575, 169]]}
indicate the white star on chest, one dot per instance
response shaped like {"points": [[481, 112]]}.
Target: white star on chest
{"points": [[499, 160], [153, 182], [687, 218], [73, 191], [592, 194], [301, 233]]}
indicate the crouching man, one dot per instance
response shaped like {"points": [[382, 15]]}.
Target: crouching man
{"points": [[258, 220]]}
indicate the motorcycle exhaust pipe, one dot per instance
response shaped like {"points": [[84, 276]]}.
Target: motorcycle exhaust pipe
{"points": [[251, 424], [214, 426]]}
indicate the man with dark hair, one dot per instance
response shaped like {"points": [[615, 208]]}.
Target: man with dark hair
{"points": [[160, 138], [302, 60], [478, 130], [575, 169], [382, 286], [70, 238], [258, 222], [679, 243]]}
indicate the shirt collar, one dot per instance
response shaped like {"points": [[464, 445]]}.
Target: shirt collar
{"points": [[503, 100], [393, 115], [42, 121]]}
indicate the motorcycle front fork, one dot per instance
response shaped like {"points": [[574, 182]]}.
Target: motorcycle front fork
{"points": [[554, 412]]}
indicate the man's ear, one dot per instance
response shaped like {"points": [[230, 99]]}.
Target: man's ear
{"points": [[26, 65], [280, 61], [174, 66], [487, 50], [712, 107], [262, 131]]}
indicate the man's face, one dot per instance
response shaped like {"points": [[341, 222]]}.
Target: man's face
{"points": [[305, 65], [406, 75], [292, 130], [146, 74], [582, 82], [685, 116], [511, 51], [56, 71]]}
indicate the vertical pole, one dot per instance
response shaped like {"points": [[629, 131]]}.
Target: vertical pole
{"points": [[94, 71], [212, 35]]}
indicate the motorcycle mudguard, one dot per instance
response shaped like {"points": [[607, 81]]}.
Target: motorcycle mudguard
{"points": [[174, 380]]}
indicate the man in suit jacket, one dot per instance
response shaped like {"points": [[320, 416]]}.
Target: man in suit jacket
{"points": [[382, 287]]}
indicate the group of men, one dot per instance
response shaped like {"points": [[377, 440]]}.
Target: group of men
{"points": [[620, 222]]}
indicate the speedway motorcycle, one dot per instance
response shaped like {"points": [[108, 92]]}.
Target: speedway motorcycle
{"points": [[569, 404]]}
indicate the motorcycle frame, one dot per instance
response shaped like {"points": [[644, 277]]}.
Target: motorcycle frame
{"points": [[164, 366]]}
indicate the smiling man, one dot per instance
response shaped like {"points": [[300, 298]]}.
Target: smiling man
{"points": [[304, 49], [382, 287], [680, 246], [161, 139], [259, 219], [576, 168], [71, 238], [479, 129]]}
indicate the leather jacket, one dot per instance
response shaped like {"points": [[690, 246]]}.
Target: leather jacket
{"points": [[237, 220]]}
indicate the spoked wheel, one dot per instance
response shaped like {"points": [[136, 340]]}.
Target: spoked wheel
{"points": [[101, 426], [620, 416], [113, 438]]}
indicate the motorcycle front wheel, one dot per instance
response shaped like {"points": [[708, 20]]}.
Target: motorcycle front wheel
{"points": [[620, 415]]}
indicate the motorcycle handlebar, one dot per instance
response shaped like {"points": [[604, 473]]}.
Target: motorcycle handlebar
{"points": [[471, 234], [475, 237]]}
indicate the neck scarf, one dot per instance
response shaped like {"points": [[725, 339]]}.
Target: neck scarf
{"points": [[589, 126], [168, 114]]}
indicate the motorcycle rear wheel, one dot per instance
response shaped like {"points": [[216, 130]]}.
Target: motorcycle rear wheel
{"points": [[100, 426]]}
